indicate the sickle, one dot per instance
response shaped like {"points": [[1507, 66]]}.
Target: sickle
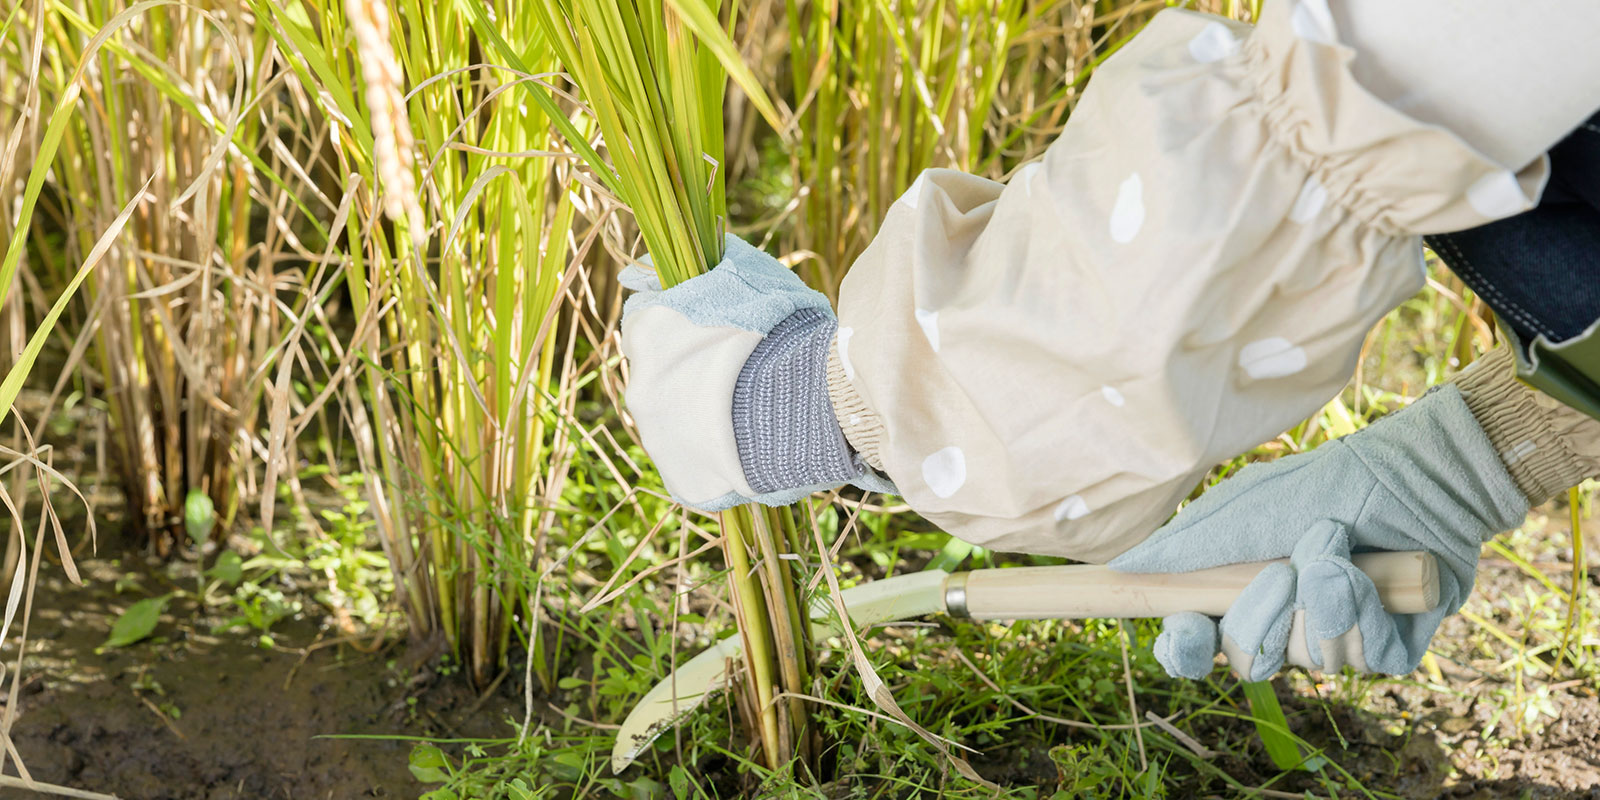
{"points": [[1407, 582]]}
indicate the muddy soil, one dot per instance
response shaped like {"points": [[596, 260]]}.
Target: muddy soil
{"points": [[193, 715]]}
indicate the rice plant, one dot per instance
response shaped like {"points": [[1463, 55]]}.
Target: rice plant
{"points": [[888, 88], [184, 310], [460, 229], [653, 77]]}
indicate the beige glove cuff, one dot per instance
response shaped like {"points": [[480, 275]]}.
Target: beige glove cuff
{"points": [[1546, 446], [680, 393]]}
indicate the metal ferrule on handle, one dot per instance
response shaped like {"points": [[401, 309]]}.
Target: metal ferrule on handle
{"points": [[1407, 582]]}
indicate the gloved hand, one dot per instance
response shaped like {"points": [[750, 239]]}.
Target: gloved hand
{"points": [[1425, 478], [728, 384]]}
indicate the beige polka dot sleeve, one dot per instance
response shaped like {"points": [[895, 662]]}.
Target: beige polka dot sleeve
{"points": [[1050, 365]]}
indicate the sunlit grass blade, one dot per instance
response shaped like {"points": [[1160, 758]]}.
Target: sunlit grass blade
{"points": [[1272, 725], [653, 77]]}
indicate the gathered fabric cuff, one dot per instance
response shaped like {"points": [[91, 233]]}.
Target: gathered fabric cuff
{"points": [[1542, 443], [862, 427], [1398, 174]]}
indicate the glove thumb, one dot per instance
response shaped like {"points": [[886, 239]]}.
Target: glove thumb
{"points": [[1187, 646], [639, 278]]}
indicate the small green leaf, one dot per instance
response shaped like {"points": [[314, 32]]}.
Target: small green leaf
{"points": [[429, 765], [439, 794], [199, 516], [137, 622], [679, 780], [567, 766], [1272, 725], [229, 568], [644, 789]]}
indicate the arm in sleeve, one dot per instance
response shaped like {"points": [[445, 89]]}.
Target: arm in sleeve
{"points": [[1511, 79], [1051, 365]]}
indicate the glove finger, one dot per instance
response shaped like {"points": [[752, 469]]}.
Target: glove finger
{"points": [[1255, 631], [639, 278], [1346, 623], [1323, 538], [1187, 646], [1257, 515], [756, 267]]}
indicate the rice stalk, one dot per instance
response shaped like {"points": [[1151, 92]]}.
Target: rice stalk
{"points": [[885, 89], [30, 153], [653, 76], [185, 306], [458, 270]]}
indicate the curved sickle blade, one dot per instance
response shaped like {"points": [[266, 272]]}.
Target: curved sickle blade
{"points": [[688, 687]]}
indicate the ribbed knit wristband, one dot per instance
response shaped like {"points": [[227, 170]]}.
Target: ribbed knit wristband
{"points": [[783, 421], [1532, 448]]}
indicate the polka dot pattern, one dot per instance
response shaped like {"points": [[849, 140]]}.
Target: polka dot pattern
{"points": [[1273, 357], [929, 322], [1214, 43], [1026, 175], [1311, 20], [1313, 196], [945, 471], [842, 342], [1071, 508], [1127, 216], [914, 194], [1498, 195]]}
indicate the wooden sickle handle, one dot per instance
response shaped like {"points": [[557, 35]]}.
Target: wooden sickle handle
{"points": [[1408, 583]]}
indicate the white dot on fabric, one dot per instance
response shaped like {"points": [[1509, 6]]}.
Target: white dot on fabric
{"points": [[1071, 508], [842, 341], [1112, 396], [945, 471], [1127, 216], [1271, 358], [929, 322], [1521, 451], [914, 193], [855, 419], [1214, 43], [1025, 176], [1313, 196], [1311, 20], [1497, 195]]}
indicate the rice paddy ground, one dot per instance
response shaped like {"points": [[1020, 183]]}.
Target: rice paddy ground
{"points": [[196, 713]]}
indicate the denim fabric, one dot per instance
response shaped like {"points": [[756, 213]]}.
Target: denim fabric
{"points": [[1540, 270]]}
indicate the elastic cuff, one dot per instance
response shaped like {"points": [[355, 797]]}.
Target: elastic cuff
{"points": [[862, 427], [1397, 174], [1532, 449], [782, 422]]}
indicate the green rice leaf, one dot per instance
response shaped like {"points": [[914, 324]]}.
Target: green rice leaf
{"points": [[698, 17]]}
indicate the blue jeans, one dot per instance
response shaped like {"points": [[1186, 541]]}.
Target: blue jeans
{"points": [[1540, 270]]}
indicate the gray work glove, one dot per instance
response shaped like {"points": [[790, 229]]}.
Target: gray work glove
{"points": [[1425, 478], [728, 384]]}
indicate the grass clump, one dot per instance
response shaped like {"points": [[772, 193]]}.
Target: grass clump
{"points": [[653, 76], [459, 380]]}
